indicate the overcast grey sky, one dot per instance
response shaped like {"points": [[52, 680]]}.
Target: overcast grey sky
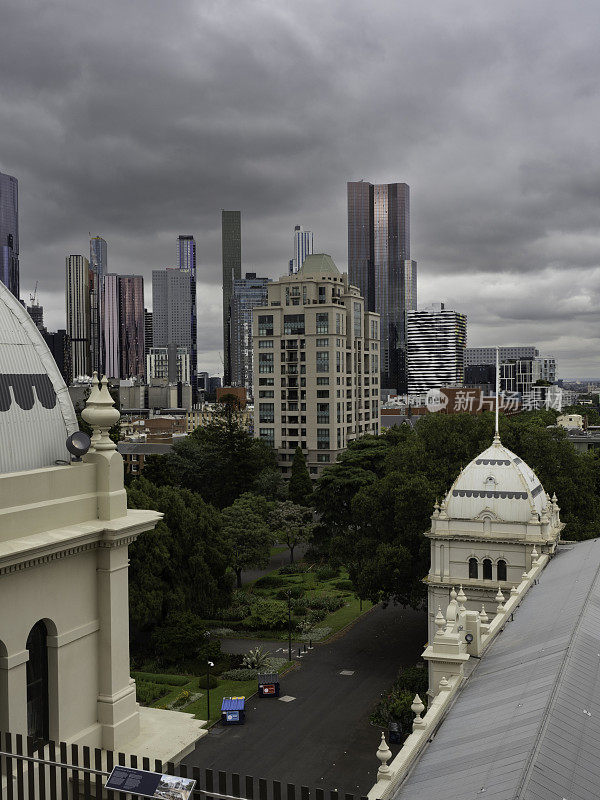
{"points": [[138, 120]]}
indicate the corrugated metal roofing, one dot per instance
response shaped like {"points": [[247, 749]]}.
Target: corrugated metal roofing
{"points": [[36, 413], [527, 723]]}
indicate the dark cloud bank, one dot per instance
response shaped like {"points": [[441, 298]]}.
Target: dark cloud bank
{"points": [[140, 120]]}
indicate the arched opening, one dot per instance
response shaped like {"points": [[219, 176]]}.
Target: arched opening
{"points": [[37, 683], [501, 570], [487, 569], [473, 568]]}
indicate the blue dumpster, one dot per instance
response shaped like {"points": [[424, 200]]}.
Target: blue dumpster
{"points": [[232, 710]]}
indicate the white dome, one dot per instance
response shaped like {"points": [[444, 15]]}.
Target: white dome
{"points": [[36, 413], [498, 481]]}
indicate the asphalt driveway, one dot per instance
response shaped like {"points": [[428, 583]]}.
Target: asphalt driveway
{"points": [[322, 737]]}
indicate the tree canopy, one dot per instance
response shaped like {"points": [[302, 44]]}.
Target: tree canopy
{"points": [[246, 535], [300, 486]]}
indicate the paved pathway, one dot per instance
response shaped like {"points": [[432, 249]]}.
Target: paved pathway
{"points": [[322, 738]]}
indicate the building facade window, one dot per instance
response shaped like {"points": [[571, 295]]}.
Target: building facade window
{"points": [[323, 413], [322, 438], [501, 567], [322, 323], [266, 412], [322, 361], [265, 343], [265, 362], [357, 320], [323, 458], [265, 325], [473, 568], [267, 435], [487, 569], [322, 381], [322, 342], [293, 324]]}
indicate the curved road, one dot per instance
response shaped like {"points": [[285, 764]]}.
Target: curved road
{"points": [[322, 738]]}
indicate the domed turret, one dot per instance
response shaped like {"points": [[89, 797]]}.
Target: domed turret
{"points": [[36, 413]]}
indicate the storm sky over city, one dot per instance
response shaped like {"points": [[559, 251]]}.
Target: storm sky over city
{"points": [[138, 120]]}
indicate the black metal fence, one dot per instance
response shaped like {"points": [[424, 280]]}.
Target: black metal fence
{"points": [[29, 771]]}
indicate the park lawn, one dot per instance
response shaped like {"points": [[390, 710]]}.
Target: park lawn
{"points": [[224, 689], [345, 615]]}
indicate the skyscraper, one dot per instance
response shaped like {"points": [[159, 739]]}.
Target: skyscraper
{"points": [[248, 292], [186, 250], [110, 326], [147, 331], [78, 312], [379, 264], [231, 244], [98, 269], [172, 309], [436, 339], [9, 233], [131, 326], [303, 246]]}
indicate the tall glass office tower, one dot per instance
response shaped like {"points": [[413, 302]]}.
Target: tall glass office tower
{"points": [[379, 264], [9, 233], [303, 246], [186, 251], [98, 269], [131, 326], [248, 293], [231, 242]]}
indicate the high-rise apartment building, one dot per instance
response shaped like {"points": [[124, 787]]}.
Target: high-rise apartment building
{"points": [[110, 325], [248, 293], [9, 233], [519, 375], [147, 331], [59, 345], [231, 244], [169, 364], [379, 264], [475, 356], [36, 312], [172, 308], [303, 246], [316, 365], [131, 326], [186, 252], [436, 339], [98, 269], [78, 313]]}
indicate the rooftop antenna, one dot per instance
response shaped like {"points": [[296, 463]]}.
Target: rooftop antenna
{"points": [[497, 433]]}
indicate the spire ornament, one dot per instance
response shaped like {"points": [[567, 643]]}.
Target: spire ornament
{"points": [[383, 754], [101, 414]]}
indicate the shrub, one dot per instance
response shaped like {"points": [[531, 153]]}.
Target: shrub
{"points": [[147, 693], [234, 614], [315, 615], [235, 660], [182, 699], [239, 674], [256, 659], [295, 592], [268, 615], [213, 683], [151, 677], [300, 606], [269, 582], [294, 569], [397, 704], [343, 585], [326, 572], [326, 603]]}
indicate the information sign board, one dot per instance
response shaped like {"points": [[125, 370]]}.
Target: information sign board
{"points": [[150, 784]]}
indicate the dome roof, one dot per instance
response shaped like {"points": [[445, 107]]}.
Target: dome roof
{"points": [[319, 265], [497, 481], [36, 413]]}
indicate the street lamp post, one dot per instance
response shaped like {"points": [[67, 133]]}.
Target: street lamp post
{"points": [[289, 599], [209, 664]]}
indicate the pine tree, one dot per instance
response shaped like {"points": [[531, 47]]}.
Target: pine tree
{"points": [[300, 488]]}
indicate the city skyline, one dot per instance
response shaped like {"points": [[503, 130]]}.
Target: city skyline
{"points": [[503, 194]]}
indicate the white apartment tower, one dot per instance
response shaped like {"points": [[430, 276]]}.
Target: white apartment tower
{"points": [[436, 338], [316, 365], [303, 246]]}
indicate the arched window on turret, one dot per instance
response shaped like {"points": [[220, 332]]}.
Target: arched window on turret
{"points": [[487, 569], [501, 570], [473, 568]]}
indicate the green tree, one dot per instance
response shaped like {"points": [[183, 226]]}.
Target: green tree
{"points": [[300, 487], [183, 637], [292, 524], [219, 461], [180, 565], [246, 534]]}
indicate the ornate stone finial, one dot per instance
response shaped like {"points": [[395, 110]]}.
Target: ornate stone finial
{"points": [[514, 591], [444, 685], [383, 754], [440, 622], [500, 600], [417, 708], [101, 414], [534, 555], [483, 617], [524, 576], [436, 510], [461, 598], [554, 497], [453, 594]]}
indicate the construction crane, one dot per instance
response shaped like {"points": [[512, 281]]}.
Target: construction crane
{"points": [[33, 296]]}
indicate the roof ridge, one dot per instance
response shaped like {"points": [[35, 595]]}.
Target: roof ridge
{"points": [[530, 763]]}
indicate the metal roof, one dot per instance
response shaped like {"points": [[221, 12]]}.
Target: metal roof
{"points": [[233, 704], [36, 412], [144, 448], [526, 726]]}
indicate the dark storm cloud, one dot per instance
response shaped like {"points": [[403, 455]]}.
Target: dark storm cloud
{"points": [[139, 120]]}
